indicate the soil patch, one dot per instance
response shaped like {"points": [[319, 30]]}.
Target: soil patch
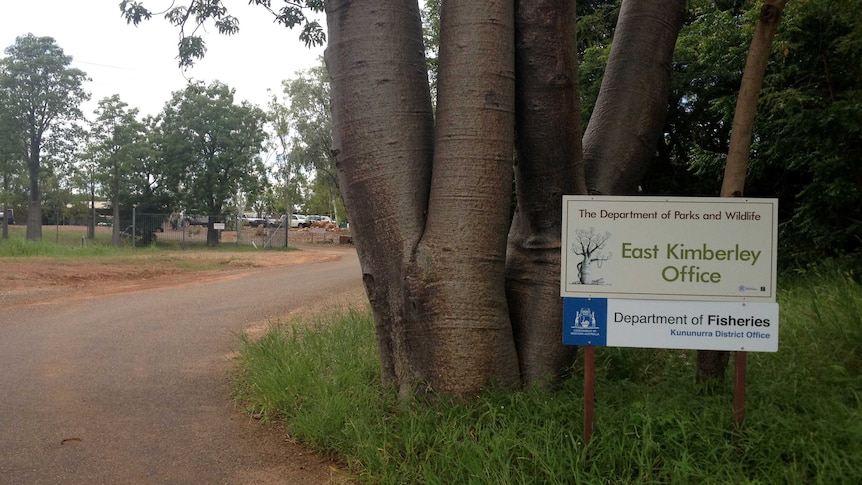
{"points": [[27, 281]]}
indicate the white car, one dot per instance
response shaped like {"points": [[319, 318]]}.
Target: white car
{"points": [[297, 220]]}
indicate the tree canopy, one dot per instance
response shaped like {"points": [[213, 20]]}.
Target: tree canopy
{"points": [[44, 94], [210, 147]]}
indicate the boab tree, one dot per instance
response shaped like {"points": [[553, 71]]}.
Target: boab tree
{"points": [[464, 292], [43, 94]]}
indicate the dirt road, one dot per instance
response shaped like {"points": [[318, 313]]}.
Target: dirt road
{"points": [[133, 386]]}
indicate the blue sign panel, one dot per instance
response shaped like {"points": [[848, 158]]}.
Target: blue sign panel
{"points": [[660, 324], [585, 321]]}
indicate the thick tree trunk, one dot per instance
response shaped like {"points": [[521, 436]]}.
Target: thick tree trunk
{"points": [[627, 122], [34, 200], [383, 146], [549, 165], [212, 233], [457, 277], [712, 364], [433, 242]]}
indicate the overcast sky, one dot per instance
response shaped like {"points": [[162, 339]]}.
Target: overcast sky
{"points": [[139, 63]]}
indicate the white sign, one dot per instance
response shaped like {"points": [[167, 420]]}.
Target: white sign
{"points": [[669, 248], [218, 226], [732, 326]]}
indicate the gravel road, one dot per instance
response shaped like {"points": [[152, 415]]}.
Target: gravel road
{"points": [[134, 388]]}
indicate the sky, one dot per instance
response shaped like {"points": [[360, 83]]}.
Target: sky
{"points": [[139, 63]]}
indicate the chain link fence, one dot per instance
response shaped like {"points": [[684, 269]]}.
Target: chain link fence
{"points": [[198, 230]]}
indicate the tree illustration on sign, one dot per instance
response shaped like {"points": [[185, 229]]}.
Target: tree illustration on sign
{"points": [[588, 245]]}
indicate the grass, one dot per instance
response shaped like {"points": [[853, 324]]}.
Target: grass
{"points": [[653, 423], [72, 246]]}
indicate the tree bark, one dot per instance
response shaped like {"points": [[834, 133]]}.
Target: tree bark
{"points": [[746, 103], [454, 282], [712, 364], [549, 165], [34, 200], [457, 277], [627, 121], [383, 127]]}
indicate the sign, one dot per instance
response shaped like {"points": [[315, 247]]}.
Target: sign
{"points": [[732, 326], [669, 248], [218, 226]]}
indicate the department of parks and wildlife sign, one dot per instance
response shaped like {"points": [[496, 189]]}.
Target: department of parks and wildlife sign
{"points": [[663, 272]]}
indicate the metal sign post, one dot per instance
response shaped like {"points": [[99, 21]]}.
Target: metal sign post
{"points": [[589, 391]]}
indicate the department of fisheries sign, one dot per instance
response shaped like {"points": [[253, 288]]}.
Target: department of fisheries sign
{"points": [[723, 325], [708, 249]]}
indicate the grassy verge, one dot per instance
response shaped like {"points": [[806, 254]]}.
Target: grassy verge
{"points": [[74, 249], [653, 424]]}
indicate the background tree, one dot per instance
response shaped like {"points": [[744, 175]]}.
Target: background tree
{"points": [[288, 170], [210, 148], [43, 93], [150, 189], [116, 135], [84, 178], [12, 166], [310, 121]]}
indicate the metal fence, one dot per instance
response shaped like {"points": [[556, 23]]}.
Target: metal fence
{"points": [[196, 230]]}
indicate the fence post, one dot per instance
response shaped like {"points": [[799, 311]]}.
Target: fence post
{"points": [[134, 228]]}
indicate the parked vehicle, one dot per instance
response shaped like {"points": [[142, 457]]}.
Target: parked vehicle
{"points": [[298, 220], [10, 217], [317, 218]]}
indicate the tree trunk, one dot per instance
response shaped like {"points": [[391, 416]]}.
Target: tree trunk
{"points": [[212, 233], [549, 165], [628, 118], [5, 222], [746, 103], [456, 283], [34, 200], [451, 295], [91, 223], [712, 364], [115, 231], [382, 143]]}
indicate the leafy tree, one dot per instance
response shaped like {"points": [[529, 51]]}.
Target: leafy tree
{"points": [[12, 165], [116, 136], [210, 148], [150, 189], [805, 138], [84, 177], [44, 93], [191, 19], [310, 124], [808, 135]]}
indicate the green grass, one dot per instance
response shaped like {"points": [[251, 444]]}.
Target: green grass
{"points": [[71, 246], [653, 424], [66, 244]]}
